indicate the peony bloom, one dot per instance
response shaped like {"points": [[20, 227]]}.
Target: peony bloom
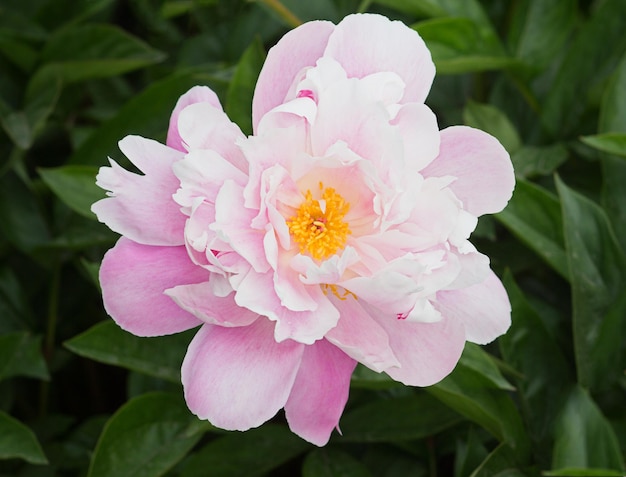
{"points": [[336, 234]]}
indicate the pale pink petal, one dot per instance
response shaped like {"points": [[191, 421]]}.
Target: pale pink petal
{"points": [[366, 44], [133, 279], [200, 300], [256, 292], [203, 126], [420, 132], [483, 309], [197, 94], [360, 336], [296, 50], [427, 352], [481, 165], [320, 392], [141, 207], [238, 378]]}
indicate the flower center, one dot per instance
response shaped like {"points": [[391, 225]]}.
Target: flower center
{"points": [[318, 226]]}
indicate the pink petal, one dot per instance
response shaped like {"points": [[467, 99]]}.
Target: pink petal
{"points": [[238, 378], [427, 352], [419, 129], [200, 300], [320, 392], [483, 169], [133, 279], [204, 126], [256, 292], [197, 94], [296, 50], [360, 336], [366, 44], [141, 207], [483, 309]]}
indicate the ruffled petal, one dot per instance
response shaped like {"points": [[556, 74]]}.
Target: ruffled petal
{"points": [[133, 279], [296, 50], [200, 300], [484, 309], [141, 207], [238, 378], [427, 352], [197, 94], [366, 44], [203, 126], [482, 167], [360, 336], [320, 392]]}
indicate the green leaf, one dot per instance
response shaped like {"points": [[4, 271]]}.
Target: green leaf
{"points": [[15, 124], [418, 8], [529, 161], [81, 52], [596, 49], [18, 442], [533, 215], [108, 343], [75, 186], [15, 311], [502, 462], [575, 472], [145, 437], [241, 89], [470, 394], [611, 143], [20, 355], [470, 452], [530, 349], [540, 29], [249, 454], [584, 438], [476, 358], [490, 119], [395, 419], [332, 463], [598, 279], [365, 378], [459, 45], [613, 119], [147, 114]]}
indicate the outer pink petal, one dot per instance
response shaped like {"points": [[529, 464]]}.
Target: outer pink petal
{"points": [[485, 178], [484, 309], [133, 278], [361, 337], [238, 378], [200, 300], [141, 206], [427, 352], [366, 44], [197, 94], [296, 50], [320, 392]]}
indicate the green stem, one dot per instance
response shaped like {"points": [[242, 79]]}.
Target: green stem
{"points": [[50, 337], [283, 12]]}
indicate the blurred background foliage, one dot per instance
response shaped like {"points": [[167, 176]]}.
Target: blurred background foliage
{"points": [[78, 396]]}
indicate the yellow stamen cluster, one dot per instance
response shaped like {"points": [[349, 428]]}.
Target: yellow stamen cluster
{"points": [[334, 289], [318, 226]]}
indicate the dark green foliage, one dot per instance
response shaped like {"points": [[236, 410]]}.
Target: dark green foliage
{"points": [[81, 397]]}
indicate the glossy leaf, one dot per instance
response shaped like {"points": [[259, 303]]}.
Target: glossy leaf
{"points": [[21, 355], [598, 284], [611, 143], [18, 442], [241, 90], [533, 215], [402, 418], [248, 454], [332, 463], [501, 462], [75, 186], [584, 438], [108, 343], [145, 437], [530, 161], [459, 45]]}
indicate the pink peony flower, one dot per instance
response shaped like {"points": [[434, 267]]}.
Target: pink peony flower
{"points": [[336, 234]]}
